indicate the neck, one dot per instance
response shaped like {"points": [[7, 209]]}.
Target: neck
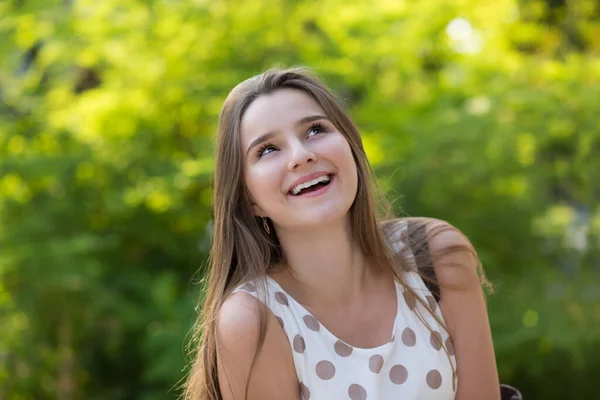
{"points": [[324, 264]]}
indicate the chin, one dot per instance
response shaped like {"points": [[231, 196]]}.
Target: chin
{"points": [[322, 219]]}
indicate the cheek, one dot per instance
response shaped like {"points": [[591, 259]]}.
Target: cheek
{"points": [[262, 181], [343, 154], [348, 166]]}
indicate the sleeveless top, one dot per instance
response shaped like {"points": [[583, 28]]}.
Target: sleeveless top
{"points": [[412, 365]]}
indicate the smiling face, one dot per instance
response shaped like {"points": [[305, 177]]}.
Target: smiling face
{"points": [[285, 136]]}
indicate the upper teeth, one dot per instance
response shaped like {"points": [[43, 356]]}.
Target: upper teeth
{"points": [[296, 189]]}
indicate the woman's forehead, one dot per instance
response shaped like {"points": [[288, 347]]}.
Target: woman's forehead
{"points": [[275, 111]]}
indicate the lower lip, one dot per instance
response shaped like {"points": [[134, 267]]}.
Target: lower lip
{"points": [[316, 192]]}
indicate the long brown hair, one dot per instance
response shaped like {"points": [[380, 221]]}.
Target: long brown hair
{"points": [[243, 251]]}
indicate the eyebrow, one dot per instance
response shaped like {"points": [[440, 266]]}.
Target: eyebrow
{"points": [[271, 134]]}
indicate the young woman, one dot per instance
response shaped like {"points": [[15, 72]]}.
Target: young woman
{"points": [[314, 292]]}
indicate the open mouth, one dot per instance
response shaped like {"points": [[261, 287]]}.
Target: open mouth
{"points": [[318, 187]]}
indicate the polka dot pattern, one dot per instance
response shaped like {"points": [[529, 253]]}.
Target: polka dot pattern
{"points": [[431, 301], [325, 370], [396, 367], [375, 363], [436, 340], [280, 321], [434, 379], [282, 299], [312, 323], [298, 344], [342, 349], [304, 392], [357, 392], [410, 300], [409, 338], [398, 374], [449, 346], [249, 287]]}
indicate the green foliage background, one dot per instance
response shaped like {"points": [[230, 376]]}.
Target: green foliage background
{"points": [[481, 113]]}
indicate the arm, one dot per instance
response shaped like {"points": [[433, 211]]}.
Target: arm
{"points": [[464, 309], [273, 374]]}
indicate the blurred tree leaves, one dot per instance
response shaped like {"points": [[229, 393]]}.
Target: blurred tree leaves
{"points": [[483, 114]]}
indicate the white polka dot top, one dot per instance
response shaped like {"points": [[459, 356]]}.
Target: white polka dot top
{"points": [[412, 365]]}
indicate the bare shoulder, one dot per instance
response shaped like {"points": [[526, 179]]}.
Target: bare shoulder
{"points": [[239, 319], [246, 364]]}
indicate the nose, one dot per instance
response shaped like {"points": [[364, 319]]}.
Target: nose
{"points": [[300, 155]]}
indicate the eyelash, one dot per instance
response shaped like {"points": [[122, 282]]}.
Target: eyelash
{"points": [[317, 125], [262, 148]]}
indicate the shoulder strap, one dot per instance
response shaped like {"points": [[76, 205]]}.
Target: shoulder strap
{"points": [[417, 234]]}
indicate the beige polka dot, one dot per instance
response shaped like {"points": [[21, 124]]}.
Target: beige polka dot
{"points": [[398, 374], [325, 370], [281, 298], [249, 287], [298, 344], [342, 349], [449, 346], [436, 340], [312, 323], [434, 379], [410, 300], [432, 302], [357, 392], [409, 338], [280, 321], [304, 392], [375, 363]]}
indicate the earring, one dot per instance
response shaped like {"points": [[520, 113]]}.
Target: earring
{"points": [[266, 226]]}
